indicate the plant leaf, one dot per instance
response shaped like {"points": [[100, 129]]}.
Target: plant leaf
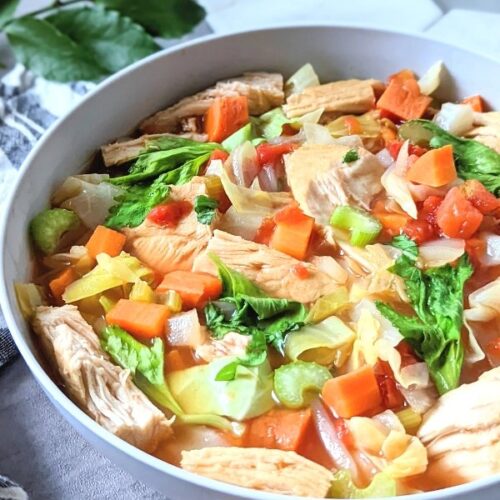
{"points": [[165, 18], [115, 41], [7, 9], [46, 51]]}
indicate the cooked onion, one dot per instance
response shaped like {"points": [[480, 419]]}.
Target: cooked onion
{"points": [[491, 256], [443, 251], [245, 164], [456, 119], [431, 79], [268, 180]]}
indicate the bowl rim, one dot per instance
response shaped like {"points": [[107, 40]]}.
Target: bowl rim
{"points": [[56, 394]]}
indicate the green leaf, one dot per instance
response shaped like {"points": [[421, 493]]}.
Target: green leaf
{"points": [[436, 295], [79, 43], [133, 206], [165, 18], [350, 156], [47, 52], [114, 41], [205, 209], [406, 245], [472, 159], [7, 10]]}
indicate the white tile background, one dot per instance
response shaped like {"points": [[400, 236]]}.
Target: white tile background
{"points": [[37, 447]]}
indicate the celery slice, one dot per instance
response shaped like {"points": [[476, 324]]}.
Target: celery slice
{"points": [[363, 227], [48, 226], [296, 384]]}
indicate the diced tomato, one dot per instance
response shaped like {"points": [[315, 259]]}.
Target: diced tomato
{"points": [[408, 356], [457, 217], [429, 209], [391, 396], [219, 154], [475, 102], [419, 231], [353, 125], [270, 154], [480, 197], [170, 214], [287, 129], [291, 214], [493, 347], [301, 271], [413, 149], [475, 247], [394, 148], [265, 231]]}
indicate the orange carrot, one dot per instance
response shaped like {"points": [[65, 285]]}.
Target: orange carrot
{"points": [[279, 428], [401, 76], [402, 98], [392, 222], [225, 116], [293, 232], [475, 102], [59, 284], [354, 393], [178, 359], [434, 168], [142, 319], [353, 125], [195, 289], [105, 240]]}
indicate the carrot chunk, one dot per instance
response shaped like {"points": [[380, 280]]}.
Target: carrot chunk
{"points": [[475, 102], [142, 319], [457, 217], [59, 284], [178, 359], [354, 393], [293, 232], [279, 428], [105, 240], [403, 99], [434, 168], [195, 289], [225, 116]]}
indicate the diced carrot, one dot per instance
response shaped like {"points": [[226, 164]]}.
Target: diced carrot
{"points": [[178, 359], [353, 125], [392, 222], [403, 99], [219, 154], [279, 428], [402, 75], [457, 217], [480, 197], [434, 168], [293, 232], [195, 289], [475, 102], [225, 116], [105, 240], [354, 393], [142, 319], [59, 284]]}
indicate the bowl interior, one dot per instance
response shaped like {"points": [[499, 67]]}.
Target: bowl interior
{"points": [[122, 101]]}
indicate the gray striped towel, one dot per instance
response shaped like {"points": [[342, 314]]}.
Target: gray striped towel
{"points": [[28, 106], [10, 490]]}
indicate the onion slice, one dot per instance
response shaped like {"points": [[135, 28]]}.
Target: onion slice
{"points": [[436, 253]]}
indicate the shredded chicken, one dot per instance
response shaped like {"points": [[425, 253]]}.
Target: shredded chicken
{"points": [[128, 150], [462, 432], [165, 249], [274, 471], [232, 344], [269, 269], [320, 180], [263, 90], [345, 96], [100, 388], [486, 129]]}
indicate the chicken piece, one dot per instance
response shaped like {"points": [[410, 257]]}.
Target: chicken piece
{"points": [[165, 249], [101, 389], [274, 471], [128, 150], [269, 269], [462, 432], [263, 90], [342, 97], [320, 180], [232, 344]]}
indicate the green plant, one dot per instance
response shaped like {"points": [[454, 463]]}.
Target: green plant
{"points": [[89, 40]]}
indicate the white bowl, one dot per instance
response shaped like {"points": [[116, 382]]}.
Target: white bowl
{"points": [[115, 108]]}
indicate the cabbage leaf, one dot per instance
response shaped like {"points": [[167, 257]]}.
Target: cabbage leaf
{"points": [[381, 486]]}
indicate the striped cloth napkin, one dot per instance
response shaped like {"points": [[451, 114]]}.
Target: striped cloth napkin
{"points": [[28, 106]]}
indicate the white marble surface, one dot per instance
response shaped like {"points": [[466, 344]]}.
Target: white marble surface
{"points": [[37, 447]]}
